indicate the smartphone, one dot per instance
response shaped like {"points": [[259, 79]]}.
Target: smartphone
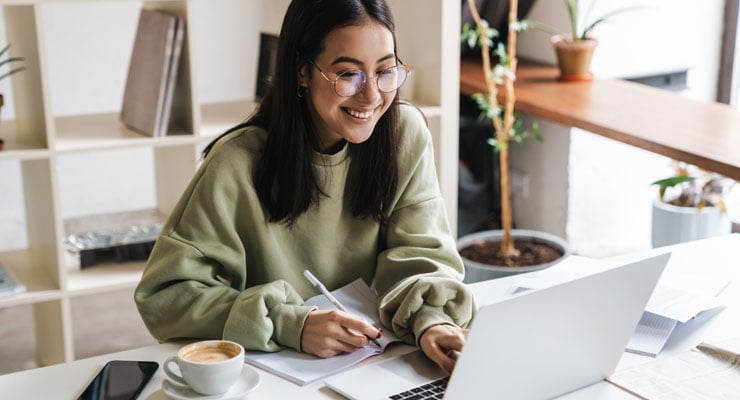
{"points": [[120, 380]]}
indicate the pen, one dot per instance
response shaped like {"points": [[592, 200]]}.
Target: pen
{"points": [[321, 288]]}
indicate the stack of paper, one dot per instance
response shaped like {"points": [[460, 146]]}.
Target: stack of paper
{"points": [[677, 298]]}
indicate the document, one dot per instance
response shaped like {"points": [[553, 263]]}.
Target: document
{"points": [[677, 298], [708, 371], [302, 368]]}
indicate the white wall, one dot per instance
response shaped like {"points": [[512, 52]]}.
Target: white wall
{"points": [[88, 45], [607, 184]]}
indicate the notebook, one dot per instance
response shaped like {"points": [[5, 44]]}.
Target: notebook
{"points": [[303, 368], [537, 344]]}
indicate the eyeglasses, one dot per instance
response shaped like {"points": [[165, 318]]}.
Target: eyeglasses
{"points": [[349, 83]]}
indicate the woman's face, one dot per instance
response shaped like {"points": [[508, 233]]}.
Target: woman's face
{"points": [[369, 48]]}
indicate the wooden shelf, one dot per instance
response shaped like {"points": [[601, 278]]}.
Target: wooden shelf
{"points": [[698, 132]]}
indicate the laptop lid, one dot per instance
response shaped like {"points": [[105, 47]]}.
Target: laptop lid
{"points": [[534, 345]]}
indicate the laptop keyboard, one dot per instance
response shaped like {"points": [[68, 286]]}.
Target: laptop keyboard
{"points": [[432, 390]]}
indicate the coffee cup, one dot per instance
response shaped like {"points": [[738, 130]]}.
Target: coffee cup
{"points": [[208, 367]]}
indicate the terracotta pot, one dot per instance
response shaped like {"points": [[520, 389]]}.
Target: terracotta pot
{"points": [[574, 58], [475, 271]]}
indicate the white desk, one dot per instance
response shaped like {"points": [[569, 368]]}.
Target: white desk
{"points": [[718, 257]]}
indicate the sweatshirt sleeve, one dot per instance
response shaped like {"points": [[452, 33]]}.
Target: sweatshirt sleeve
{"points": [[195, 284], [419, 275], [184, 294]]}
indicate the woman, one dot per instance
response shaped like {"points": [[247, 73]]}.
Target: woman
{"points": [[331, 174]]}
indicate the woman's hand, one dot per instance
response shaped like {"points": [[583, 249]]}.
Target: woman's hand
{"points": [[441, 343], [328, 333]]}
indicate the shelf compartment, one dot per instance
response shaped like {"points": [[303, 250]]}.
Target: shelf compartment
{"points": [[39, 286], [103, 277], [29, 130], [217, 118], [105, 131]]}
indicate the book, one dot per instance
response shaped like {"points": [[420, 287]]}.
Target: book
{"points": [[8, 283], [145, 105], [171, 79], [707, 371], [266, 66], [303, 368]]}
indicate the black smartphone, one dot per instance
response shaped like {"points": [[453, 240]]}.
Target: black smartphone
{"points": [[120, 380]]}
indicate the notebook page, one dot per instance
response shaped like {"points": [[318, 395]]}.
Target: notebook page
{"points": [[302, 368]]}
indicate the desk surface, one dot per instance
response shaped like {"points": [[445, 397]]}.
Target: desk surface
{"points": [[702, 133], [713, 257]]}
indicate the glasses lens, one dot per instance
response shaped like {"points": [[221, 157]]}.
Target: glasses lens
{"points": [[391, 78], [349, 83]]}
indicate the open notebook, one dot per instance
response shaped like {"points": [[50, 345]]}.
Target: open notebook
{"points": [[302, 368]]}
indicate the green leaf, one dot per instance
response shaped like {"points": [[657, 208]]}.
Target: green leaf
{"points": [[11, 72], [673, 181]]}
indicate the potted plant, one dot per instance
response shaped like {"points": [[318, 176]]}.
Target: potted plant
{"points": [[690, 206], [574, 50], [495, 253], [3, 61]]}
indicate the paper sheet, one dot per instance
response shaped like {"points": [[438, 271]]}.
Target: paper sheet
{"points": [[702, 373], [678, 297]]}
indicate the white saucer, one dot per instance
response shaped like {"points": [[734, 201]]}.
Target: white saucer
{"points": [[249, 380]]}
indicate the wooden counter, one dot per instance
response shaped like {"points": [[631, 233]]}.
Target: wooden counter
{"points": [[701, 133]]}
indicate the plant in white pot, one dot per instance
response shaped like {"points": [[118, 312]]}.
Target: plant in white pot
{"points": [[507, 251], [574, 49], [691, 206]]}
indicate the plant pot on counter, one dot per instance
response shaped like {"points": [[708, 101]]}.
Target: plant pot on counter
{"points": [[574, 57], [476, 271], [674, 224]]}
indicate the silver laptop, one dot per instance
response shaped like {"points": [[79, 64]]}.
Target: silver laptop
{"points": [[537, 344]]}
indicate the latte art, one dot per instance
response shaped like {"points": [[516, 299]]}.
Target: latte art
{"points": [[210, 354]]}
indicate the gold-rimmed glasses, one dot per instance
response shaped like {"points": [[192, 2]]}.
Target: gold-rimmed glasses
{"points": [[349, 83]]}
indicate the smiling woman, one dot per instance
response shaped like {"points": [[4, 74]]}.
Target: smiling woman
{"points": [[331, 174]]}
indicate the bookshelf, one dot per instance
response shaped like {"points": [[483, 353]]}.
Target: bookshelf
{"points": [[39, 141]]}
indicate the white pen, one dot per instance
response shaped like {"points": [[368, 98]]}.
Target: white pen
{"points": [[321, 288]]}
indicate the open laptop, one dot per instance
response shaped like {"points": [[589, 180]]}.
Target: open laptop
{"points": [[536, 344]]}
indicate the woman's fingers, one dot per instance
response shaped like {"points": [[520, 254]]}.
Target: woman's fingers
{"points": [[332, 332], [442, 343]]}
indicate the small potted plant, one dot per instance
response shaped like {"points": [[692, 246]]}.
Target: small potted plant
{"points": [[575, 49], [5, 60], [690, 206]]}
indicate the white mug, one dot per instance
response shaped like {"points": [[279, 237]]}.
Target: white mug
{"points": [[208, 367]]}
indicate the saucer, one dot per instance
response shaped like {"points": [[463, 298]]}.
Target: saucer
{"points": [[248, 381]]}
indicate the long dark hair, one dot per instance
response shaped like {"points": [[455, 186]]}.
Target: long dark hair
{"points": [[284, 178]]}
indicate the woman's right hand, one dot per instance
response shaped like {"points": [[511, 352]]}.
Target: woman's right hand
{"points": [[327, 333]]}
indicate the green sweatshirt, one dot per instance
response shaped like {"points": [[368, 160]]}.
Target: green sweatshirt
{"points": [[220, 270]]}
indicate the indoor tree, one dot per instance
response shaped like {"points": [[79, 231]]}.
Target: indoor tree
{"points": [[505, 124]]}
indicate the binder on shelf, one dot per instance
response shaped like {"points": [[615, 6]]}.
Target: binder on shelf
{"points": [[152, 72], [266, 66]]}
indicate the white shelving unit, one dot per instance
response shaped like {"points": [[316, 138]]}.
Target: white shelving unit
{"points": [[37, 140]]}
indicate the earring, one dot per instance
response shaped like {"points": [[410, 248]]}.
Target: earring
{"points": [[302, 91]]}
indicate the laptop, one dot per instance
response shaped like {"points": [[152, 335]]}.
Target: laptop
{"points": [[536, 344]]}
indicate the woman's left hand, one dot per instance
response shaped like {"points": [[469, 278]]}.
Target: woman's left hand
{"points": [[441, 343]]}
